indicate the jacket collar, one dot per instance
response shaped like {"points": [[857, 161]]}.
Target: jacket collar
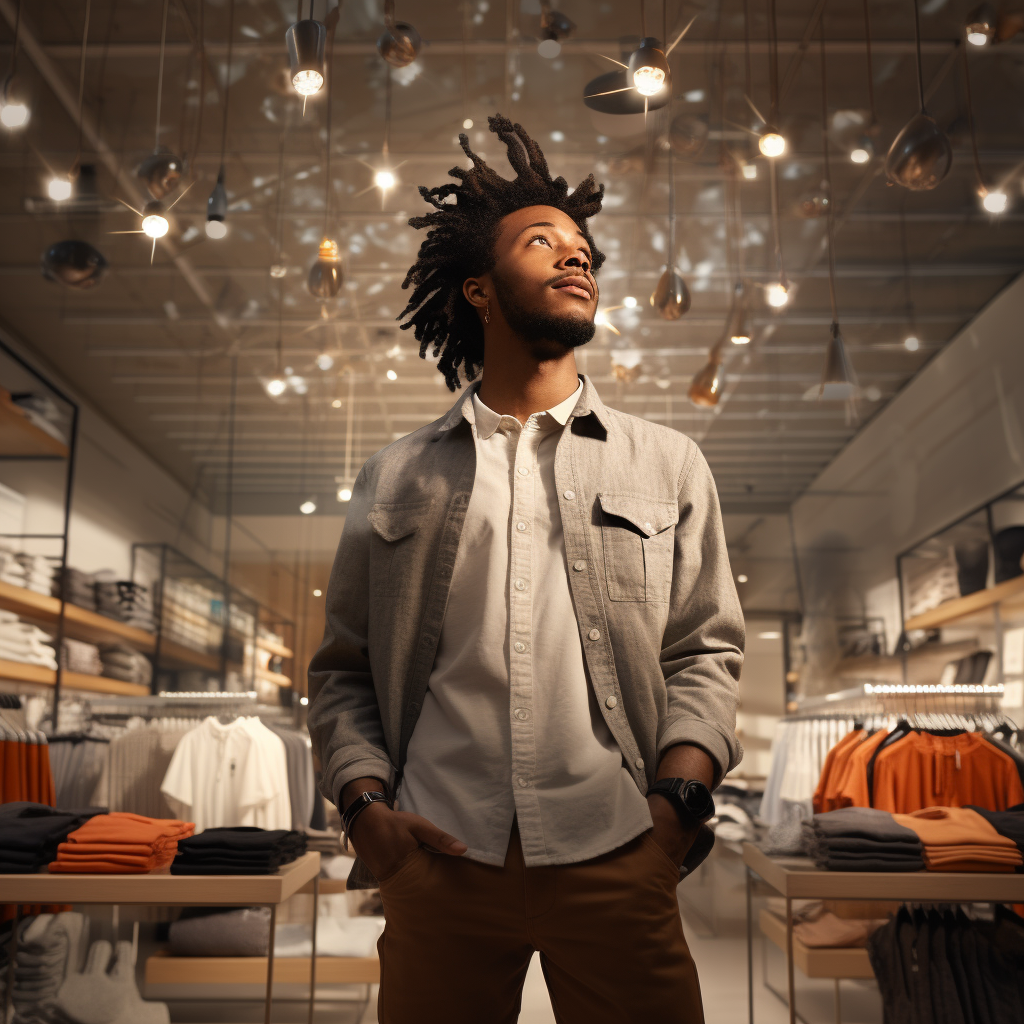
{"points": [[588, 404]]}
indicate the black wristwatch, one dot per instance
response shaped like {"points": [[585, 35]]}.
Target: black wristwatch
{"points": [[357, 807], [691, 799]]}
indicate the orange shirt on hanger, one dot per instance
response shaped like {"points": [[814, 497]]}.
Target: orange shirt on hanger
{"points": [[835, 763], [854, 790]]}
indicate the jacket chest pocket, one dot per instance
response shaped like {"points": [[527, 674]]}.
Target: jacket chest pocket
{"points": [[638, 538], [394, 527]]}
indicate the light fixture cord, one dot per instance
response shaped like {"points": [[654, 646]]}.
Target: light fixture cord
{"points": [[774, 190], [15, 48], [970, 119], [671, 210], [917, 37], [81, 85], [328, 83], [227, 85], [830, 218], [160, 76], [387, 112], [867, 50], [748, 83], [908, 293], [643, 19], [773, 64], [202, 86]]}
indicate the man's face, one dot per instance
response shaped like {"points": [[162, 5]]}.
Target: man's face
{"points": [[542, 280]]}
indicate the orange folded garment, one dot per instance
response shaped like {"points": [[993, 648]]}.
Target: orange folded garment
{"points": [[971, 866], [106, 867], [98, 849], [952, 826], [121, 843], [123, 827]]}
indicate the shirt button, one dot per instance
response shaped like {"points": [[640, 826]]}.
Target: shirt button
{"points": [[520, 584], [647, 525], [522, 714], [569, 495], [639, 762], [520, 527], [520, 647], [579, 566], [523, 782], [523, 471], [594, 634], [611, 702]]}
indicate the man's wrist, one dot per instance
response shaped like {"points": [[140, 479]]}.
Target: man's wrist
{"points": [[353, 790]]}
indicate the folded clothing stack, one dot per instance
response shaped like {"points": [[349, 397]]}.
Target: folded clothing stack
{"points": [[862, 839], [121, 843], [49, 947], [819, 928], [20, 641], [120, 662], [243, 850], [78, 656], [36, 572], [121, 599], [79, 588], [30, 834], [959, 839], [1009, 823]]}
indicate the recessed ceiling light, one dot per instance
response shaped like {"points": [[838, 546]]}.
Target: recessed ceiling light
{"points": [[308, 507], [770, 634], [317, 593], [742, 578]]}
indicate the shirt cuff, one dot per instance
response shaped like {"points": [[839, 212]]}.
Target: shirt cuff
{"points": [[341, 771], [698, 733]]}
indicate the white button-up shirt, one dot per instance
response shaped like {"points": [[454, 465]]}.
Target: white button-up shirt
{"points": [[510, 726]]}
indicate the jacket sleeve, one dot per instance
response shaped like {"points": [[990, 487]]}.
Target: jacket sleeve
{"points": [[702, 649], [344, 719]]}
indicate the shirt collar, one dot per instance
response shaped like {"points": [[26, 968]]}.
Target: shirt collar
{"points": [[487, 420]]}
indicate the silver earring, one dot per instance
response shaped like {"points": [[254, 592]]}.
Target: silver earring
{"points": [[487, 313]]}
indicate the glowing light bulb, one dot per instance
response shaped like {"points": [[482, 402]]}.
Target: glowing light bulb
{"points": [[771, 143], [629, 302], [59, 189], [649, 81], [336, 404], [307, 83], [308, 507], [392, 375], [276, 387], [468, 123], [777, 294], [324, 361], [318, 592], [860, 156], [155, 225], [995, 202], [14, 115], [344, 494], [742, 578], [216, 229], [977, 38], [911, 344], [384, 180], [741, 337], [750, 171]]}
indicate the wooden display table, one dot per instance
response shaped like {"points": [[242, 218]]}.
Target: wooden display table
{"points": [[798, 878], [183, 891]]}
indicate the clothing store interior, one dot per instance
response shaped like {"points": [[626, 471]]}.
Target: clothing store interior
{"points": [[813, 220]]}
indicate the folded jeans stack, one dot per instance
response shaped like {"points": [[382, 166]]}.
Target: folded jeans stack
{"points": [[79, 656], [49, 946], [30, 834], [242, 850], [120, 662], [121, 843], [79, 588], [959, 839], [20, 641], [862, 839]]}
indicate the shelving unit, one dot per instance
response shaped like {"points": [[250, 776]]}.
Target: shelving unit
{"points": [[923, 665], [21, 438], [273, 677], [162, 969], [816, 962], [278, 649], [974, 608]]}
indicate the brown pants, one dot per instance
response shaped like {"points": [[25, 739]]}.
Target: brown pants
{"points": [[460, 935]]}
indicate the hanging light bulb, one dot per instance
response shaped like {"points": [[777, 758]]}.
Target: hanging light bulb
{"points": [[154, 221], [981, 25], [648, 68], [392, 375], [629, 302], [324, 361], [706, 386], [344, 493], [741, 335], [308, 507], [911, 343], [771, 143], [14, 111], [671, 297], [276, 386], [278, 270], [325, 275], [777, 294], [839, 382], [859, 155], [59, 189], [995, 201], [306, 40], [400, 43], [385, 179], [217, 209], [74, 264]]}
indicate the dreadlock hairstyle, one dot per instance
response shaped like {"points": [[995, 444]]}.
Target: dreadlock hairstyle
{"points": [[460, 243]]}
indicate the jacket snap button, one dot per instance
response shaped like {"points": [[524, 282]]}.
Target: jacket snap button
{"points": [[611, 702], [639, 763], [569, 495], [594, 634], [579, 566]]}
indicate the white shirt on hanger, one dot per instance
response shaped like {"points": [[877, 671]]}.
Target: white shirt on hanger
{"points": [[277, 811]]}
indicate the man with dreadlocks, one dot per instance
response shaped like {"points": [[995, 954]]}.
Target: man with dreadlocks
{"points": [[528, 679]]}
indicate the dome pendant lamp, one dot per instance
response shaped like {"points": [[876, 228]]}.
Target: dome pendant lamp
{"points": [[14, 110], [217, 204], [671, 297], [920, 156], [706, 386], [399, 43], [306, 41]]}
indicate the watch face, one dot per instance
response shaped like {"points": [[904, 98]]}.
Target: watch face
{"points": [[697, 798]]}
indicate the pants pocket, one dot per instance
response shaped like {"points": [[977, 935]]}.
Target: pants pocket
{"points": [[404, 863]]}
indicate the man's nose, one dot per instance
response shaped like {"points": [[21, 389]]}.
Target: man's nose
{"points": [[577, 261]]}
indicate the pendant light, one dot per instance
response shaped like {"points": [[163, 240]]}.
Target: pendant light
{"points": [[306, 40], [400, 43], [920, 156], [706, 386], [277, 385], [75, 264], [344, 492], [14, 108], [912, 341], [217, 204], [838, 382], [161, 170], [671, 297], [864, 150], [771, 142], [555, 28], [61, 187], [980, 28], [995, 200]]}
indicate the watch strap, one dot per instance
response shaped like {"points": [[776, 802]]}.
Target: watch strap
{"points": [[357, 807]]}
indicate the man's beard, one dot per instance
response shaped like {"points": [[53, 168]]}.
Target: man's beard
{"points": [[548, 336]]}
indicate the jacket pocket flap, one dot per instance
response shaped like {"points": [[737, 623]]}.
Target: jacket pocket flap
{"points": [[646, 514], [393, 522]]}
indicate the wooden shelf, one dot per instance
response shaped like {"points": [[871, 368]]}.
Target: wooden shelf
{"points": [[328, 886], [924, 665], [279, 649], [815, 962], [163, 890], [273, 677], [79, 623], [972, 607], [162, 969], [18, 672], [175, 655], [20, 436]]}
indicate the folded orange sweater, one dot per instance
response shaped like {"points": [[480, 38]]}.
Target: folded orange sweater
{"points": [[952, 826], [107, 866], [122, 827]]}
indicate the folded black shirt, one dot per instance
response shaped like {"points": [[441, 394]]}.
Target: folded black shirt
{"points": [[36, 830], [1009, 823]]}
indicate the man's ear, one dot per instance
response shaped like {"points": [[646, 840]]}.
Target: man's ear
{"points": [[477, 291]]}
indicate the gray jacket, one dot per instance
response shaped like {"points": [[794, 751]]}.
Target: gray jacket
{"points": [[659, 619]]}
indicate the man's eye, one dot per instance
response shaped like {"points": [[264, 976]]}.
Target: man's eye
{"points": [[540, 238]]}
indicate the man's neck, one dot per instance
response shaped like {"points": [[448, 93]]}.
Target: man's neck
{"points": [[522, 387]]}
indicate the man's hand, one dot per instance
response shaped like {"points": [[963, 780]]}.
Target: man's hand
{"points": [[682, 761], [384, 838]]}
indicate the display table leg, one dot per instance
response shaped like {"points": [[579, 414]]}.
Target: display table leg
{"points": [[750, 944], [270, 965], [312, 958], [790, 978], [839, 1005]]}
